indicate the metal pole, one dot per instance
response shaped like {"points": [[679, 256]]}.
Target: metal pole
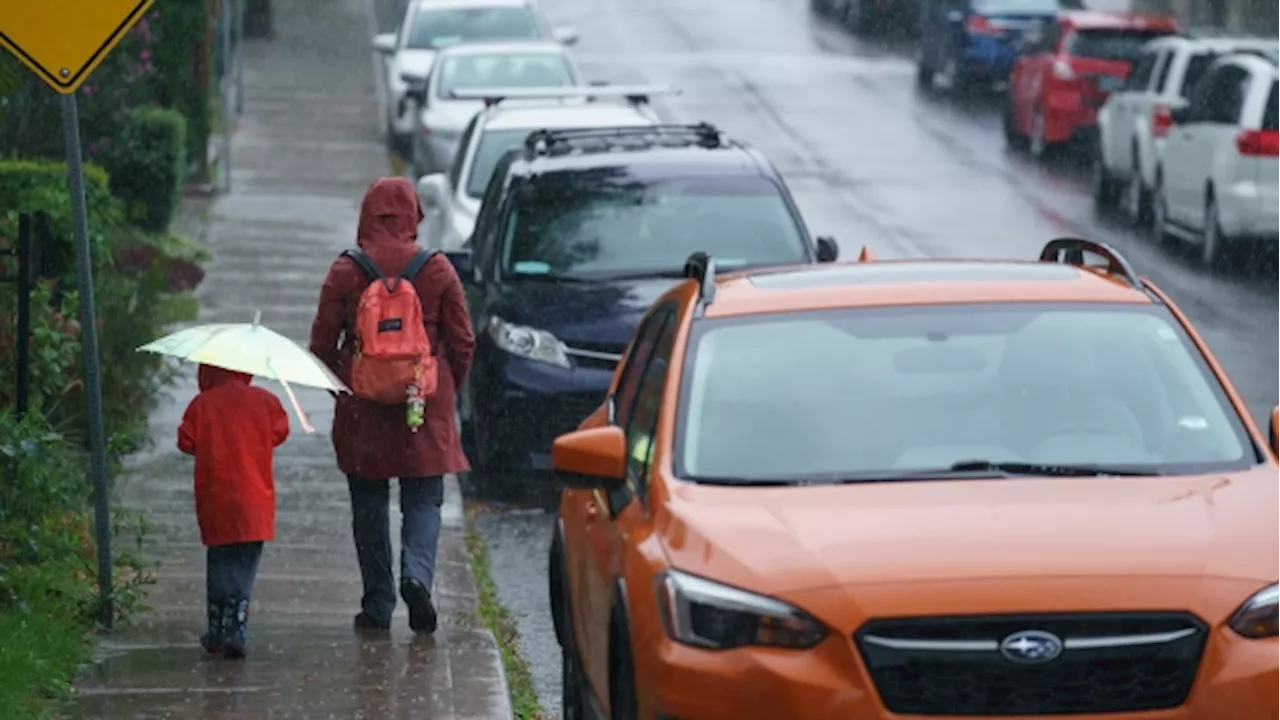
{"points": [[25, 271], [89, 339], [227, 101], [240, 10]]}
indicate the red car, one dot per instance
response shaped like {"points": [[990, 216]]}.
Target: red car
{"points": [[1061, 78]]}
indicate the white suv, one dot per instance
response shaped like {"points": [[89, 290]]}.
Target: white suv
{"points": [[429, 26], [1134, 121], [1216, 179], [451, 200]]}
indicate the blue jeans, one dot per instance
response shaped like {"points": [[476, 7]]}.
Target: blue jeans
{"points": [[420, 501], [230, 571]]}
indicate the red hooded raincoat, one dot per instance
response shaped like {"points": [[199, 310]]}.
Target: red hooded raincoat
{"points": [[372, 440], [233, 429]]}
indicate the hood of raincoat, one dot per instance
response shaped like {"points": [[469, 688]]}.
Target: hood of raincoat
{"points": [[211, 377], [389, 214]]}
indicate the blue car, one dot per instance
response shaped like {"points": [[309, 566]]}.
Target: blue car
{"points": [[973, 43]]}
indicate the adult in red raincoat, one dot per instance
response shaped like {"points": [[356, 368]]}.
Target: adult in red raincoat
{"points": [[372, 440], [232, 429]]}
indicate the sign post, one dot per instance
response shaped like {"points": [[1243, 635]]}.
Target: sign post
{"points": [[64, 55]]}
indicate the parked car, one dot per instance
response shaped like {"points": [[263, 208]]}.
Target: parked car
{"points": [[1135, 120], [870, 16], [443, 115], [578, 232], [452, 199], [1216, 181], [431, 25], [1063, 77], [924, 488], [973, 43]]}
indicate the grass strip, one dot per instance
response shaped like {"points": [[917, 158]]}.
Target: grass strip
{"points": [[41, 648], [524, 700]]}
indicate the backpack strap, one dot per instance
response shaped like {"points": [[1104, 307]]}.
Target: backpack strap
{"points": [[417, 263], [364, 262]]}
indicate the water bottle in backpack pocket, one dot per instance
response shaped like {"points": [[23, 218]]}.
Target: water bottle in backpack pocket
{"points": [[392, 350]]}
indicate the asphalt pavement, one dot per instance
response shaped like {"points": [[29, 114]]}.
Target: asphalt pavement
{"points": [[872, 160]]}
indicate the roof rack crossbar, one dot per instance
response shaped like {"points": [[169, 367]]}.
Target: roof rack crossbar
{"points": [[702, 267], [1071, 251], [634, 94], [542, 140]]}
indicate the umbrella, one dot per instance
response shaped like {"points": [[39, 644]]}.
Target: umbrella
{"points": [[254, 349]]}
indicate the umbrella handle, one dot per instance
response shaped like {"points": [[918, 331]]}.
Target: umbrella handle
{"points": [[293, 400]]}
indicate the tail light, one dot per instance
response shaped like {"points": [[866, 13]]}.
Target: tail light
{"points": [[1258, 143], [1161, 120], [1062, 70], [978, 25]]}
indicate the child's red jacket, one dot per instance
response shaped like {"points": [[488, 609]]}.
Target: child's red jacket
{"points": [[232, 429]]}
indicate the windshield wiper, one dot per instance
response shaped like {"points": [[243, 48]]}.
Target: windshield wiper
{"points": [[551, 278], [644, 275], [1052, 469]]}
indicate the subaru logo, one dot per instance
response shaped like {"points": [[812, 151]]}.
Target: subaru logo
{"points": [[1031, 647]]}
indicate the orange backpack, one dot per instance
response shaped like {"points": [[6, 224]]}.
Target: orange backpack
{"points": [[393, 352]]}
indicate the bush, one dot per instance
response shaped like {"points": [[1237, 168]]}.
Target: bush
{"points": [[148, 164]]}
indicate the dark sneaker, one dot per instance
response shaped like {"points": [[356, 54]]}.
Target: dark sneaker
{"points": [[422, 614], [365, 621], [212, 639], [236, 621]]}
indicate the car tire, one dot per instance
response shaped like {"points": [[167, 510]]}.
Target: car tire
{"points": [[924, 73], [572, 693], [622, 677], [1160, 212], [1137, 197], [1213, 244], [1013, 139], [1040, 148], [1106, 188]]}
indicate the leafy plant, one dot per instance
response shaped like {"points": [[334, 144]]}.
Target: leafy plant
{"points": [[148, 164]]}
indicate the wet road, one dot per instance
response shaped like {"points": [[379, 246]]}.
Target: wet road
{"points": [[872, 160]]}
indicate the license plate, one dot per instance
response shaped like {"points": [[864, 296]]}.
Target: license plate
{"points": [[1110, 83]]}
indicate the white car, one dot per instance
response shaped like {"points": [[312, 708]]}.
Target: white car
{"points": [[481, 65], [431, 25], [1216, 180], [451, 200], [1134, 121]]}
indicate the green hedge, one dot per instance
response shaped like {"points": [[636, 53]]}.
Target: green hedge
{"points": [[148, 164]]}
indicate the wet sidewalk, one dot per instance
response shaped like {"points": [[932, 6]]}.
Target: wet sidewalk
{"points": [[307, 147]]}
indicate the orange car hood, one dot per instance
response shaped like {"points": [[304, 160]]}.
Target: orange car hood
{"points": [[788, 539]]}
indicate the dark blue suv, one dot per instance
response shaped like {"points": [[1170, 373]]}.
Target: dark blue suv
{"points": [[973, 43], [579, 231]]}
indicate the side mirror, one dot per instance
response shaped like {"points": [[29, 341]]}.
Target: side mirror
{"points": [[432, 190], [385, 43], [1180, 115], [463, 263], [595, 458], [828, 250], [1273, 433], [566, 35]]}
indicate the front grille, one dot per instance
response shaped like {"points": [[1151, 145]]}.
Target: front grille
{"points": [[1112, 662]]}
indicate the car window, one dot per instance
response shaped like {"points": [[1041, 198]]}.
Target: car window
{"points": [[1101, 44], [1140, 77], [642, 424], [1224, 97], [1047, 42], [542, 69], [435, 29], [1163, 66], [493, 145], [834, 393], [1196, 66], [600, 223], [634, 364], [487, 217], [1269, 113], [1015, 7], [460, 157]]}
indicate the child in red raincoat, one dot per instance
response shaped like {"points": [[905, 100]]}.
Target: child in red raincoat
{"points": [[232, 429]]}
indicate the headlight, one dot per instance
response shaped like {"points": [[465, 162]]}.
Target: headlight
{"points": [[707, 614], [527, 342], [1256, 618]]}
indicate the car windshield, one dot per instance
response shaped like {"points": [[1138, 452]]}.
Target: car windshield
{"points": [[602, 223], [493, 145], [1017, 7], [1110, 44], [434, 29], [542, 69], [856, 392]]}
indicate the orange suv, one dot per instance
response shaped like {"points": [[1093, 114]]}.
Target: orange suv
{"points": [[910, 489]]}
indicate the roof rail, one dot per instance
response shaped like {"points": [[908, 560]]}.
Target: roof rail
{"points": [[702, 267], [1071, 251], [634, 94], [544, 142]]}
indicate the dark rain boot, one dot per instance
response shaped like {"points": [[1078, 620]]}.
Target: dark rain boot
{"points": [[236, 618], [422, 613], [212, 639]]}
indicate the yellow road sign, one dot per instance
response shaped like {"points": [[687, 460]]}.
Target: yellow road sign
{"points": [[63, 41]]}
